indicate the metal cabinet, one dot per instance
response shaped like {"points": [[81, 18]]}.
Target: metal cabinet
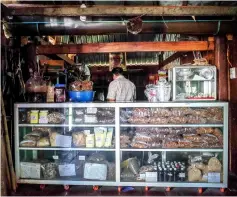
{"points": [[167, 134]]}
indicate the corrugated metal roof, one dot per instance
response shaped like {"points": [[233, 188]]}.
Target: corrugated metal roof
{"points": [[138, 58]]}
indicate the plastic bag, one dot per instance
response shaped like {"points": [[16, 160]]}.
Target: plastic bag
{"points": [[95, 171], [194, 174], [127, 175], [109, 137], [142, 138], [56, 118], [111, 171], [160, 112], [148, 168], [181, 111], [158, 120], [35, 135], [28, 143], [49, 170], [196, 120], [43, 142], [214, 165], [52, 138], [139, 144], [205, 130], [177, 119], [79, 139], [141, 112], [97, 157]]}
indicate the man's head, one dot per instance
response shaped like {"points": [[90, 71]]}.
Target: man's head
{"points": [[117, 71]]}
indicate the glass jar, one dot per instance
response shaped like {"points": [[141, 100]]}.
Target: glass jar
{"points": [[34, 116], [36, 89], [60, 93]]}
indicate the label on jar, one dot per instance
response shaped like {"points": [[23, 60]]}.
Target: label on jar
{"points": [[63, 141], [90, 119], [34, 117], [67, 170], [151, 176], [55, 157], [214, 177], [182, 175], [82, 158], [91, 110], [30, 170]]}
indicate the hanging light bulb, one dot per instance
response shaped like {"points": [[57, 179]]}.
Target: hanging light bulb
{"points": [[83, 18]]}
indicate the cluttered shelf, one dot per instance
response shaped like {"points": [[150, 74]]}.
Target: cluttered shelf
{"points": [[171, 125], [175, 149], [67, 149]]}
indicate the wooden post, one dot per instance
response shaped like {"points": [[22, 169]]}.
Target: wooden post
{"points": [[222, 67]]}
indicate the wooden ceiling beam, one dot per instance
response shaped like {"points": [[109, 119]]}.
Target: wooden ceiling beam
{"points": [[171, 58], [64, 10], [114, 47]]}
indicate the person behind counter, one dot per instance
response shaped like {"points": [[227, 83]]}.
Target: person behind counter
{"points": [[121, 89]]}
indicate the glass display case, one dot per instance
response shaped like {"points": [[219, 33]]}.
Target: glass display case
{"points": [[123, 144], [193, 83]]}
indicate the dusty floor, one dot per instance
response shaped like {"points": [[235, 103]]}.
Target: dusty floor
{"points": [[58, 190]]}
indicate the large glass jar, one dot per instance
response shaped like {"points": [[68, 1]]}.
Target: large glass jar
{"points": [[36, 89]]}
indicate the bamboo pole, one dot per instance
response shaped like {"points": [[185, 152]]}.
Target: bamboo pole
{"points": [[8, 147]]}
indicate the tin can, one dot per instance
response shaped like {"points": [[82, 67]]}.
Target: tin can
{"points": [[34, 117]]}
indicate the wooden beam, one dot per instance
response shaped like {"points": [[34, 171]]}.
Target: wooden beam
{"points": [[221, 64], [171, 59], [64, 10], [61, 56], [125, 47]]}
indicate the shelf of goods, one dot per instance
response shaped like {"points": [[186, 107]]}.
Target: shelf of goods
{"points": [[122, 144]]}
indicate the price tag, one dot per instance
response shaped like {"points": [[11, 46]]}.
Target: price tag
{"points": [[182, 175], [63, 141], [214, 177], [30, 170], [91, 110], [67, 170], [151, 176], [82, 158], [55, 156]]}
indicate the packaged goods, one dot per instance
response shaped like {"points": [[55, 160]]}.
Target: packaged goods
{"points": [[44, 130], [105, 112], [60, 93], [111, 171], [177, 119], [141, 112], [80, 168], [196, 119], [106, 120], [201, 112], [30, 170], [97, 157], [79, 139], [205, 130], [81, 86], [95, 171], [194, 174], [138, 144], [158, 120], [34, 117], [90, 118], [170, 144], [214, 165], [35, 135], [216, 115], [43, 117], [138, 120], [79, 119], [67, 169], [44, 141], [142, 137], [181, 111], [148, 168], [50, 94], [184, 144], [56, 118], [49, 170], [109, 137], [26, 143], [52, 138], [193, 137], [127, 175], [160, 112], [217, 132], [100, 136], [79, 112], [209, 138], [132, 164], [22, 116], [90, 141]]}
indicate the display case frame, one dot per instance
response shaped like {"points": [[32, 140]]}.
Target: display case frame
{"points": [[117, 150]]}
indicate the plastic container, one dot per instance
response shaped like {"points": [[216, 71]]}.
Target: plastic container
{"points": [[34, 116], [43, 116], [81, 96], [60, 93]]}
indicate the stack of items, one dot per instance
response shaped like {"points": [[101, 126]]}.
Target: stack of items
{"points": [[205, 168], [94, 115], [177, 115], [147, 137]]}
